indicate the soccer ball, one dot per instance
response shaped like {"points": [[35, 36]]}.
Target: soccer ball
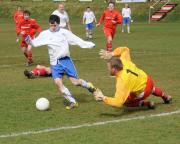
{"points": [[42, 104]]}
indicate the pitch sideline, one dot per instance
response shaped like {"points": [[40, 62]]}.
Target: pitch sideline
{"points": [[88, 125]]}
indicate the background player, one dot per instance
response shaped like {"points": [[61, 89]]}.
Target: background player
{"points": [[63, 15], [58, 41], [27, 26], [88, 19], [111, 18], [126, 13], [133, 85], [17, 16], [39, 70]]}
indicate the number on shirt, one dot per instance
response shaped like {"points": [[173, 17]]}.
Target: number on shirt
{"points": [[129, 71]]}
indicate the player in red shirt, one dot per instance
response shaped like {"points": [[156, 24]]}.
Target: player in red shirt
{"points": [[27, 26], [111, 18], [38, 71], [17, 17]]}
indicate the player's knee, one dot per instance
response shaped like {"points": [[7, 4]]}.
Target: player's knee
{"points": [[75, 82]]}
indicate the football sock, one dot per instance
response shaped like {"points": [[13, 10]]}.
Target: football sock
{"points": [[128, 29], [87, 34], [67, 95], [30, 56], [84, 84], [158, 92], [109, 46]]}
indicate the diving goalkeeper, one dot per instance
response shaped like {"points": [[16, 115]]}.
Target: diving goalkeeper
{"points": [[133, 85]]}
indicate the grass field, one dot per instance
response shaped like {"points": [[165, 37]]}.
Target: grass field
{"points": [[154, 48]]}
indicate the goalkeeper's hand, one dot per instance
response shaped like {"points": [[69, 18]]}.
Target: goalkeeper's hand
{"points": [[105, 54], [98, 95]]}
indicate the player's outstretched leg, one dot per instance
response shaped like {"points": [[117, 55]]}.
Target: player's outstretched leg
{"points": [[159, 93], [66, 93], [80, 82], [140, 103]]}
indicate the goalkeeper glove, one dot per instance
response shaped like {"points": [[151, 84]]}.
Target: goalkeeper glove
{"points": [[105, 54], [98, 95]]}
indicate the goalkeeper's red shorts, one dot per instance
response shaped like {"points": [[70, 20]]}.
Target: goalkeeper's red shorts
{"points": [[132, 98]]}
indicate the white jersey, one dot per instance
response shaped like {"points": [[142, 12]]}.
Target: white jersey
{"points": [[64, 18], [58, 43], [126, 12], [89, 17]]}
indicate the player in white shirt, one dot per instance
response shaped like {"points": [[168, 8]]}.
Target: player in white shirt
{"points": [[58, 40], [88, 19], [126, 13], [64, 18]]}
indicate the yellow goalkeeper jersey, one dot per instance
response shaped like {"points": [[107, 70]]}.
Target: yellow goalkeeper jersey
{"points": [[129, 80]]}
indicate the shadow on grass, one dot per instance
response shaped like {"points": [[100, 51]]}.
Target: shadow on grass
{"points": [[129, 111]]}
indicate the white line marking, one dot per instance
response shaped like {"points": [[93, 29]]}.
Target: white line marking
{"points": [[87, 125]]}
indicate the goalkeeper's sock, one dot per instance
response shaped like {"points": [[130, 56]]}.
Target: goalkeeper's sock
{"points": [[67, 95], [109, 46], [158, 92]]}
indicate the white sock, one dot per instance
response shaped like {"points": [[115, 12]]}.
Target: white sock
{"points": [[67, 95], [123, 28], [128, 29], [87, 34], [84, 84]]}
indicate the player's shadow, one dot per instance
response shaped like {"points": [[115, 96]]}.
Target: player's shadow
{"points": [[128, 111]]}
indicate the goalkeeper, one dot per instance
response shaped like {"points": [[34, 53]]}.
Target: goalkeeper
{"points": [[133, 85]]}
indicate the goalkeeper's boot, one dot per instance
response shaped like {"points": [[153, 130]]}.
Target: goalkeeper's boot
{"points": [[167, 99], [148, 104], [29, 74], [91, 88], [72, 105]]}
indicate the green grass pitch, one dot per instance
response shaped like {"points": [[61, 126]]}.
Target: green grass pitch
{"points": [[154, 48]]}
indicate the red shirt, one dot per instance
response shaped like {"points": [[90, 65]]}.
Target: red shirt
{"points": [[18, 15], [30, 27], [109, 16]]}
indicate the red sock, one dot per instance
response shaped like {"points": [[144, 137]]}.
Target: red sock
{"points": [[158, 92], [30, 56], [109, 46]]}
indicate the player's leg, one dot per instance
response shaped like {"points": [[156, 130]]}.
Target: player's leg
{"points": [[57, 74], [83, 83], [91, 26], [133, 101], [108, 34], [27, 52], [128, 24], [87, 32], [124, 24], [159, 93]]}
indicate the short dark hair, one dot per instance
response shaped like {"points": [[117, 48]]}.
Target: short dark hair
{"points": [[116, 63], [111, 2], [88, 7], [27, 12], [53, 19]]}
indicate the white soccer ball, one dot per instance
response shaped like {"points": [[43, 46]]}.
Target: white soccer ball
{"points": [[42, 104]]}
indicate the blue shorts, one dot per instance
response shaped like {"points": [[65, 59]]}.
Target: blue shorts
{"points": [[64, 66], [126, 20], [89, 26]]}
